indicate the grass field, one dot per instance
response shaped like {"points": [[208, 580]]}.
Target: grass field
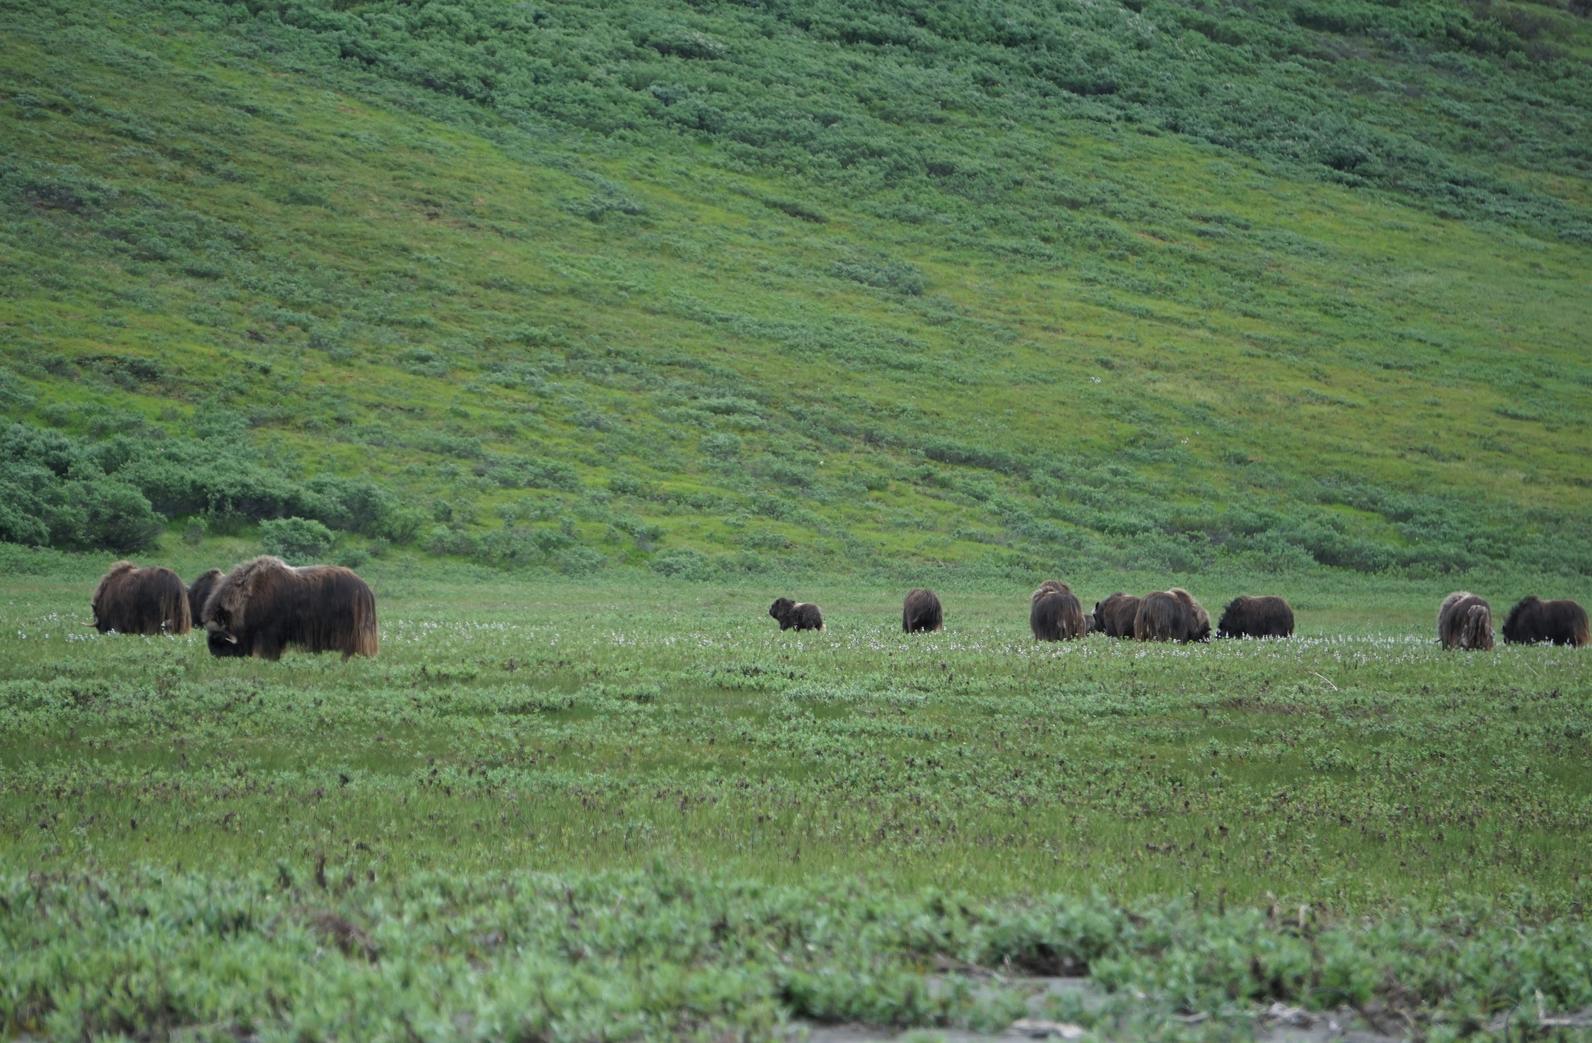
{"points": [[660, 754]]}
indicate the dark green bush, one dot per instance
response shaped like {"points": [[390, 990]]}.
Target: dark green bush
{"points": [[299, 541]]}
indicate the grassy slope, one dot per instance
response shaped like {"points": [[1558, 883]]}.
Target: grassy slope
{"points": [[1129, 344]]}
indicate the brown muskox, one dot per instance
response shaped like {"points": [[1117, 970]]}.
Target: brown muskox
{"points": [[1054, 613], [1465, 621], [1533, 620], [131, 600], [921, 612], [199, 592], [1171, 615], [1264, 616], [797, 615], [1114, 616], [266, 605]]}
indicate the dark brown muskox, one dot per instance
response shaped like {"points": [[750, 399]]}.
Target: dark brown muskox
{"points": [[199, 592], [1533, 620], [1264, 616], [1465, 621], [797, 615], [1171, 615], [266, 605], [1114, 616], [1054, 613], [921, 612], [131, 600]]}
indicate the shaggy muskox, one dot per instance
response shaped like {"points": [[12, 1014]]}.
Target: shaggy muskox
{"points": [[1465, 621], [1114, 616], [921, 611], [131, 600], [798, 615], [266, 605], [1171, 615], [1054, 613], [1533, 620], [1265, 616], [199, 592]]}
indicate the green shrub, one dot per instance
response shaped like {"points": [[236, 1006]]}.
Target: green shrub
{"points": [[299, 541]]}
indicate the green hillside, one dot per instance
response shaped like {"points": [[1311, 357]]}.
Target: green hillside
{"points": [[719, 287]]}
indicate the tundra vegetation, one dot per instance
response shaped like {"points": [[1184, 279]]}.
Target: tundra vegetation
{"points": [[539, 813], [717, 289], [701, 302]]}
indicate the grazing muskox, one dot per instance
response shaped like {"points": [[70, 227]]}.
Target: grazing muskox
{"points": [[1114, 616], [1171, 615], [1465, 621], [1533, 620], [798, 615], [131, 600], [266, 605], [1265, 616], [921, 611], [199, 592], [1054, 613]]}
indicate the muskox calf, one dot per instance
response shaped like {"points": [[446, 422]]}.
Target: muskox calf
{"points": [[1533, 620], [266, 605], [1171, 615], [199, 592], [1054, 613], [1465, 621], [1265, 616], [131, 600], [796, 615], [1115, 615], [921, 612]]}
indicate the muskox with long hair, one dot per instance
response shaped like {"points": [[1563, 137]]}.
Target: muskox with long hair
{"points": [[1533, 620], [1054, 613], [266, 605], [921, 612], [1171, 615], [1465, 621], [133, 600], [1263, 616], [796, 615], [199, 592], [1114, 616]]}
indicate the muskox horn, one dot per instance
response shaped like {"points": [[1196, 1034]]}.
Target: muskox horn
{"points": [[93, 624]]}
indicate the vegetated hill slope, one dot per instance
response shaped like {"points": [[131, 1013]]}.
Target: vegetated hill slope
{"points": [[718, 286]]}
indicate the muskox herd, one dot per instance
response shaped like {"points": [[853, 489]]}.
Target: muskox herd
{"points": [[260, 608], [1056, 614], [1464, 621]]}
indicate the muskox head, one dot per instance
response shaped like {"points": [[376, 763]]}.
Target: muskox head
{"points": [[781, 610], [227, 610], [1475, 628]]}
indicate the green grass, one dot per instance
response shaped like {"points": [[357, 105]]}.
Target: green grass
{"points": [[1424, 807], [970, 317]]}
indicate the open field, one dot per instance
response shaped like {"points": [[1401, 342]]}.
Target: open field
{"points": [[667, 755]]}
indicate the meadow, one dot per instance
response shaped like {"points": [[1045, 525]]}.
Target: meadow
{"points": [[634, 808]]}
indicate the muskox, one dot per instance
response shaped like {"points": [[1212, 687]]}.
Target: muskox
{"points": [[1054, 613], [1533, 620], [199, 592], [1114, 616], [1171, 615], [131, 600], [796, 615], [1465, 621], [921, 611], [1264, 616], [266, 605]]}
